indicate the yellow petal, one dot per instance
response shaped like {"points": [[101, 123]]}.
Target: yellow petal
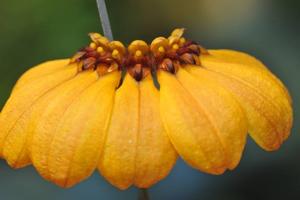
{"points": [[78, 141], [223, 110], [47, 115], [13, 117], [248, 61], [190, 129], [117, 163], [260, 93], [41, 70], [237, 57], [155, 154]]}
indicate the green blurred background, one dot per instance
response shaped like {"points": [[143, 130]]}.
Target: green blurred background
{"points": [[33, 31]]}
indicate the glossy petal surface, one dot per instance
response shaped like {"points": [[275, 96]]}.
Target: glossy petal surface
{"points": [[223, 110], [189, 127], [40, 70], [155, 154], [47, 116], [14, 116], [264, 99], [117, 163], [79, 138]]}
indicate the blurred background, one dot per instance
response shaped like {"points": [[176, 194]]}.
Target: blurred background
{"points": [[33, 31]]}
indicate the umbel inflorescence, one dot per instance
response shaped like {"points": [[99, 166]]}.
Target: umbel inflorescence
{"points": [[102, 109], [139, 59]]}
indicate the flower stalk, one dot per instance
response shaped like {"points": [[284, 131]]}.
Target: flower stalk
{"points": [[143, 194], [104, 19]]}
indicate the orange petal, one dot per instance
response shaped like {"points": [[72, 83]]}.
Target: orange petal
{"points": [[189, 127], [79, 138], [223, 110], [240, 58], [155, 154], [47, 115], [13, 116], [260, 93], [117, 163], [43, 69]]}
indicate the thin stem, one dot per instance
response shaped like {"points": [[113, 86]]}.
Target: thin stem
{"points": [[104, 19], [143, 194]]}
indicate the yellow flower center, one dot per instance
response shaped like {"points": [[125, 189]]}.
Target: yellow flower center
{"points": [[139, 58]]}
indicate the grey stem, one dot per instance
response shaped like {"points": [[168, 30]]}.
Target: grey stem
{"points": [[143, 194], [104, 19]]}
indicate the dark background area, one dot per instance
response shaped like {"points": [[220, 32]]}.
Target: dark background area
{"points": [[33, 31]]}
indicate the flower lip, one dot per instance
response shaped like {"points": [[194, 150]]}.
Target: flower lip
{"points": [[139, 58]]}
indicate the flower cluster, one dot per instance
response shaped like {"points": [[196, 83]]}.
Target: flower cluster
{"points": [[130, 111], [140, 58]]}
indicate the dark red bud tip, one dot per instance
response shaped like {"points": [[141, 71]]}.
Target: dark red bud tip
{"points": [[195, 49], [89, 63], [187, 59], [167, 65], [138, 72]]}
